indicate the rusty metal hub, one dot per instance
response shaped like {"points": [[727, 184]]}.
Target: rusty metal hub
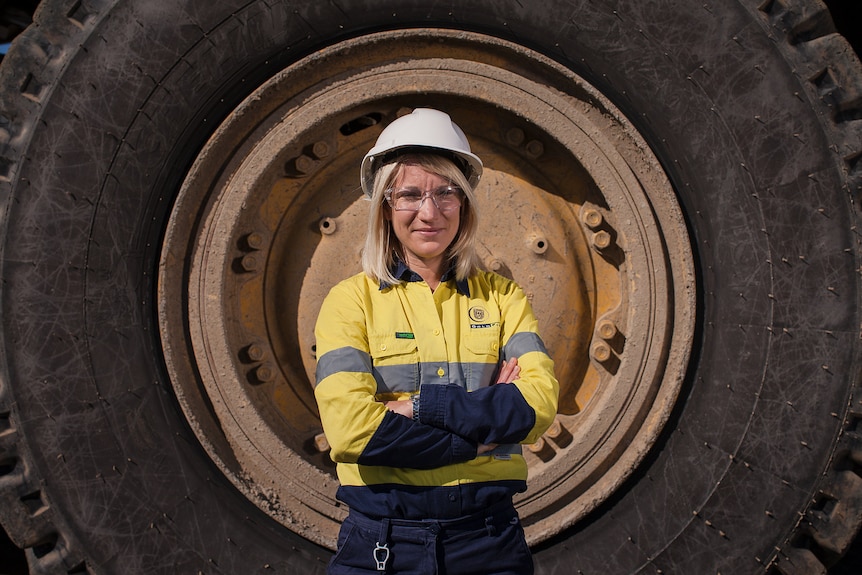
{"points": [[574, 207]]}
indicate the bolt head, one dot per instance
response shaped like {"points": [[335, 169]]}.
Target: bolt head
{"points": [[255, 352], [535, 148], [515, 136], [601, 352], [250, 262], [592, 218], [254, 241], [265, 373], [607, 330], [320, 149], [601, 240]]}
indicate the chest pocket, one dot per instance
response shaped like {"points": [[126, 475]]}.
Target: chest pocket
{"points": [[483, 343], [482, 357], [394, 363]]}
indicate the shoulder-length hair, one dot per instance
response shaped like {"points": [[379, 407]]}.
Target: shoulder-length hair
{"points": [[382, 246]]}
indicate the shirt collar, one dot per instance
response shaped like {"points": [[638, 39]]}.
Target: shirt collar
{"points": [[402, 272]]}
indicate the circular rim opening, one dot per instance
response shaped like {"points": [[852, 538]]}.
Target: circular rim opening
{"points": [[576, 210]]}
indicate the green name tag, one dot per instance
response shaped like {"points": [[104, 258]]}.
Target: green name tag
{"points": [[404, 335]]}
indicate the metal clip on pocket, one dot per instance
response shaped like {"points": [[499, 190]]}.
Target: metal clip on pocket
{"points": [[381, 555]]}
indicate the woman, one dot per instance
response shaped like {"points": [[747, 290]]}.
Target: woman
{"points": [[422, 410]]}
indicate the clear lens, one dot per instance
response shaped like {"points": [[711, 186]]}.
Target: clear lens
{"points": [[411, 199]]}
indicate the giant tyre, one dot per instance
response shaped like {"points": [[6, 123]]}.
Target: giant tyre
{"points": [[674, 183]]}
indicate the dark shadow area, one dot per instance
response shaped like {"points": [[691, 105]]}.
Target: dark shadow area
{"points": [[12, 560], [847, 15]]}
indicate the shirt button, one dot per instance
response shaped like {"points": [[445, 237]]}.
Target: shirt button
{"points": [[436, 332], [441, 372], [382, 347]]}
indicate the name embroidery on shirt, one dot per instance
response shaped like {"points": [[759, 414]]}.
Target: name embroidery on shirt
{"points": [[404, 335]]}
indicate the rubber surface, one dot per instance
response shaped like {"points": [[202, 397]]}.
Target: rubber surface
{"points": [[754, 110]]}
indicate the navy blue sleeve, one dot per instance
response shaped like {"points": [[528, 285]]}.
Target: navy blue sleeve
{"points": [[402, 442], [496, 414]]}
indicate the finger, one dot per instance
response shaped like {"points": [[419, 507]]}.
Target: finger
{"points": [[509, 371], [501, 372], [505, 373]]}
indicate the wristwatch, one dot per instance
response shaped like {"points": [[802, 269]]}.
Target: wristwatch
{"points": [[415, 400]]}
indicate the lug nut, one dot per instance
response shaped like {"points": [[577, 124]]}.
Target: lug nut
{"points": [[320, 149], [515, 136], [601, 240], [592, 218], [321, 443], [264, 373], [250, 262], [255, 352], [253, 241], [559, 434], [303, 164], [600, 352], [542, 449], [535, 148], [607, 330]]}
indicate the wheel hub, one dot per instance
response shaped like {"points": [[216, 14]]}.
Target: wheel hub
{"points": [[574, 207]]}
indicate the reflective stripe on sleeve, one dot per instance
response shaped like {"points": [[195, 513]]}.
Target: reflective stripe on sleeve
{"points": [[522, 343], [504, 450], [347, 359]]}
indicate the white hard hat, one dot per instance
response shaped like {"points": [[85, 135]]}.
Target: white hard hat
{"points": [[425, 128]]}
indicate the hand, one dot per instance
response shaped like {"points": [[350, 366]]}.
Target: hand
{"points": [[509, 371], [401, 407]]}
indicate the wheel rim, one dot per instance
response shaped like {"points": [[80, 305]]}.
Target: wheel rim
{"points": [[575, 208]]}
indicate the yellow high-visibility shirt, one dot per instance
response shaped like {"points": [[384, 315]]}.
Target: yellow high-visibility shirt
{"points": [[377, 343]]}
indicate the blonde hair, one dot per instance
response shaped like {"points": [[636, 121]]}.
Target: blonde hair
{"points": [[382, 246]]}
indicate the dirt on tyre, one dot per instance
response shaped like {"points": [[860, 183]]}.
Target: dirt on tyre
{"points": [[675, 186]]}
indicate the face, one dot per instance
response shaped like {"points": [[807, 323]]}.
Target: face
{"points": [[424, 235]]}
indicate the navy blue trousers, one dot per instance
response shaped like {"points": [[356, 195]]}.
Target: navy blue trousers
{"points": [[489, 543]]}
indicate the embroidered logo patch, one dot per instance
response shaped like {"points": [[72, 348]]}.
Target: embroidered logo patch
{"points": [[404, 335], [477, 313]]}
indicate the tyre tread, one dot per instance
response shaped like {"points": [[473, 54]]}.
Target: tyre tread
{"points": [[830, 70], [30, 71], [831, 74]]}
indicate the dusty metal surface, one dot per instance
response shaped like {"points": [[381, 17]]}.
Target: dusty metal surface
{"points": [[574, 207]]}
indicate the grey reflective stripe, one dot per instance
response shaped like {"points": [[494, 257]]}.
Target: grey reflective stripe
{"points": [[523, 342], [470, 376], [408, 377], [478, 374], [430, 374], [397, 378], [505, 449], [342, 359]]}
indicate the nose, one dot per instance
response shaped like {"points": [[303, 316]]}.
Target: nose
{"points": [[428, 205]]}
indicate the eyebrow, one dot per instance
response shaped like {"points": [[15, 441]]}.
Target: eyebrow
{"points": [[418, 189]]}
